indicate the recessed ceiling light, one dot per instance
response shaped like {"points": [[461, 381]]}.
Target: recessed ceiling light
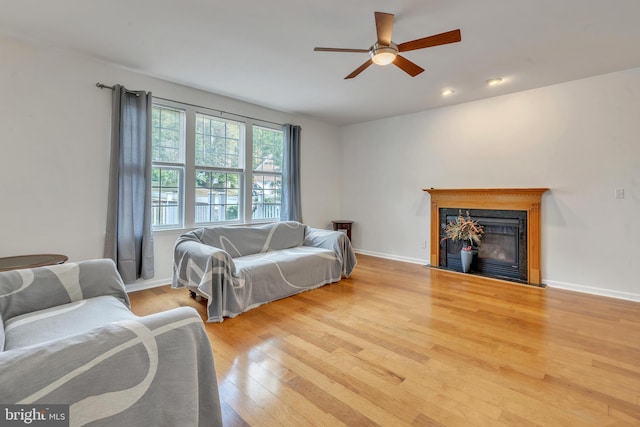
{"points": [[448, 92], [493, 82]]}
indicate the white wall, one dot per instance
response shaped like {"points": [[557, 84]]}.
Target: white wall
{"points": [[54, 152], [580, 139]]}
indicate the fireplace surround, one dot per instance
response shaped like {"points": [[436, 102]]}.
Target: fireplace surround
{"points": [[520, 207]]}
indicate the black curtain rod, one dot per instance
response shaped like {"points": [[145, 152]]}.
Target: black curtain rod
{"points": [[103, 86]]}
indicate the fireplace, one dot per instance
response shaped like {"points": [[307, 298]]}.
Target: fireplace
{"points": [[503, 251], [510, 248]]}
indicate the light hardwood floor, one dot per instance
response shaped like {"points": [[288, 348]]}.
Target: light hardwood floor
{"points": [[400, 344]]}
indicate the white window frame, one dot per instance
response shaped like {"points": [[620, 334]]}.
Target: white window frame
{"points": [[240, 170], [179, 166], [188, 177], [266, 173]]}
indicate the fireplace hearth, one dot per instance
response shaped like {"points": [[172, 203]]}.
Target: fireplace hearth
{"points": [[510, 248]]}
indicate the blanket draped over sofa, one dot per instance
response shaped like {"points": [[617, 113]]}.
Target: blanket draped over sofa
{"points": [[67, 337], [238, 268]]}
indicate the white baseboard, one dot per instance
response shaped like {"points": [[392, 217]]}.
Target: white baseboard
{"points": [[147, 284], [393, 257], [591, 290]]}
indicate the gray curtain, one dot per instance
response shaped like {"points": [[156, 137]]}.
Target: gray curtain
{"points": [[291, 209], [129, 241]]}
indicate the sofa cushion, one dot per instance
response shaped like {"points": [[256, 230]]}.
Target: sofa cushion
{"points": [[63, 320], [242, 241], [277, 274]]}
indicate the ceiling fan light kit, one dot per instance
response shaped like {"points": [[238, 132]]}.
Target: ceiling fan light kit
{"points": [[383, 55], [385, 51]]}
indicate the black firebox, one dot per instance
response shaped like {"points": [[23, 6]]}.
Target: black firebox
{"points": [[502, 253]]}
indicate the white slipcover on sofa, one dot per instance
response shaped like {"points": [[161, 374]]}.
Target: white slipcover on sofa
{"points": [[238, 268], [67, 336]]}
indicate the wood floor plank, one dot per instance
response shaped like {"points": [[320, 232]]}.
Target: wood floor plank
{"points": [[400, 344]]}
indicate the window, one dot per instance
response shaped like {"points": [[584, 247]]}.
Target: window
{"points": [[167, 174], [219, 171], [266, 192], [208, 169]]}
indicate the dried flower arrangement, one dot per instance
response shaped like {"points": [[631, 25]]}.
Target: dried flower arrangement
{"points": [[465, 229]]}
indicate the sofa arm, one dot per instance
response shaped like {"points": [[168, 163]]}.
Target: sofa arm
{"points": [[32, 289], [321, 238], [153, 370], [336, 241], [191, 259]]}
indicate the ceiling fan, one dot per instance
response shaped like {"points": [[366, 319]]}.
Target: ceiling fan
{"points": [[384, 51]]}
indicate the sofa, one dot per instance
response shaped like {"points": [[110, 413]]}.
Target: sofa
{"points": [[238, 268], [68, 337]]}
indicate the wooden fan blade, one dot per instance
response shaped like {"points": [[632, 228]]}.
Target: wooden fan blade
{"points": [[359, 69], [435, 40], [384, 27], [337, 49], [407, 66]]}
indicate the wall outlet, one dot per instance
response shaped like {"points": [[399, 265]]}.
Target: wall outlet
{"points": [[424, 244], [619, 193]]}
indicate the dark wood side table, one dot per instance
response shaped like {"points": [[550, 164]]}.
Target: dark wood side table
{"points": [[339, 224], [30, 261]]}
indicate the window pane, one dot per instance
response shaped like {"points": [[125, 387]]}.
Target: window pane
{"points": [[166, 197], [266, 192], [217, 196], [217, 142], [267, 149], [266, 195], [167, 134]]}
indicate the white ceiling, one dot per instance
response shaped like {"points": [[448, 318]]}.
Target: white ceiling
{"points": [[261, 51]]}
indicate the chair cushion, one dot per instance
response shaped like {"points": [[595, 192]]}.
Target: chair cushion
{"points": [[63, 320]]}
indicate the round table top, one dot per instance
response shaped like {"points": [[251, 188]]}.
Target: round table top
{"points": [[30, 261], [341, 221]]}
